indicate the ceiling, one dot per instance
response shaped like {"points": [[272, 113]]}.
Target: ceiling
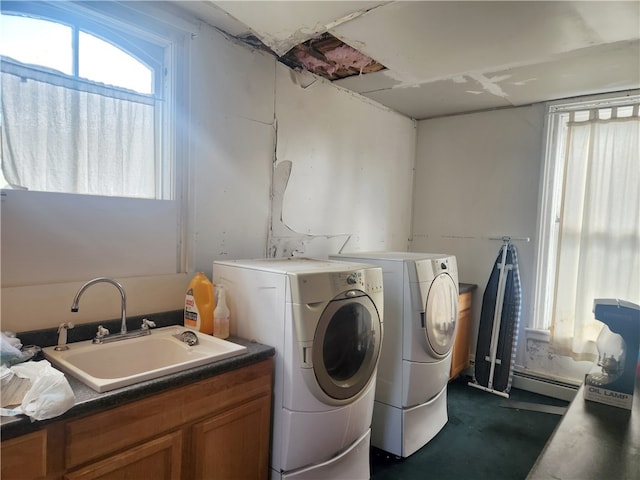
{"points": [[449, 57]]}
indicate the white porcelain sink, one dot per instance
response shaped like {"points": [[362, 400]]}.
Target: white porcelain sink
{"points": [[107, 366]]}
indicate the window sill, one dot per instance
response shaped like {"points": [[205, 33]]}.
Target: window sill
{"points": [[538, 334]]}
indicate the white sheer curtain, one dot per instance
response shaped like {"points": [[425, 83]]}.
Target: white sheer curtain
{"points": [[58, 137], [599, 244]]}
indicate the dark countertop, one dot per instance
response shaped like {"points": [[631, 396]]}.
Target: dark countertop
{"points": [[593, 441], [466, 287], [90, 401]]}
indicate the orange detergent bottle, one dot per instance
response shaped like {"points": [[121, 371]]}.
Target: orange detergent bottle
{"points": [[199, 304]]}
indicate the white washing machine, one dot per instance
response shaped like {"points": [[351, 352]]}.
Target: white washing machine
{"points": [[421, 317], [324, 319]]}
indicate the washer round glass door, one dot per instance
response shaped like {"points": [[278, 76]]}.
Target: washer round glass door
{"points": [[441, 314], [346, 346]]}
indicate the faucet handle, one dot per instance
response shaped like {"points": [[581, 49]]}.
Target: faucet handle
{"points": [[65, 326], [146, 324], [102, 332]]}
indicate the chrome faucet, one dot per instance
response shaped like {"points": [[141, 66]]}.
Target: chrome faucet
{"points": [[76, 299], [103, 335]]}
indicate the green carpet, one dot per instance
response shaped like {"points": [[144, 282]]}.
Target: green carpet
{"points": [[484, 439]]}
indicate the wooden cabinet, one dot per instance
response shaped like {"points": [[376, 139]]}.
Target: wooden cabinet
{"points": [[223, 445], [160, 459], [461, 345], [25, 457], [34, 455], [217, 428]]}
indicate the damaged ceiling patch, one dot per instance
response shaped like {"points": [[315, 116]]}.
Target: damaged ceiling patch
{"points": [[329, 57], [490, 85]]}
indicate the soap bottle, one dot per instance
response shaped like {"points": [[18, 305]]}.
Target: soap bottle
{"points": [[199, 304], [221, 315]]}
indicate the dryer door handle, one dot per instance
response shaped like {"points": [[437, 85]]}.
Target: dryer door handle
{"points": [[423, 322]]}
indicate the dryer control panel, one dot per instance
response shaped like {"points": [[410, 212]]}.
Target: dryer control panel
{"points": [[369, 281], [322, 286], [440, 265]]}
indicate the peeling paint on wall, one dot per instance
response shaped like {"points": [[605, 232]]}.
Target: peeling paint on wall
{"points": [[541, 358], [283, 241]]}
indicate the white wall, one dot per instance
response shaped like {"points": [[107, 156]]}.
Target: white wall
{"points": [[351, 174], [232, 141], [350, 179], [477, 177], [350, 161]]}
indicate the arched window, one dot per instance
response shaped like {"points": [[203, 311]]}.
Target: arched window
{"points": [[72, 51], [83, 108], [90, 140]]}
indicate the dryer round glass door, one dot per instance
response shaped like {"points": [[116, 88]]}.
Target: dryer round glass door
{"points": [[441, 314], [346, 346]]}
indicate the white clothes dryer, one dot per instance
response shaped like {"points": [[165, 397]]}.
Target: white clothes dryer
{"points": [[421, 316], [324, 319]]}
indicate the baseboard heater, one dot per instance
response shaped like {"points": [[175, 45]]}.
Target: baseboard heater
{"points": [[550, 387]]}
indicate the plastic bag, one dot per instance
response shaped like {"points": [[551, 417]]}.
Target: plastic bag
{"points": [[9, 350], [12, 351], [50, 394]]}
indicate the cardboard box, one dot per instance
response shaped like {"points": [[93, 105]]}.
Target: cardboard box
{"points": [[612, 380], [621, 397]]}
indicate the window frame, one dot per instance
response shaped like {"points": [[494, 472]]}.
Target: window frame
{"points": [[158, 26], [136, 42], [551, 186], [146, 48]]}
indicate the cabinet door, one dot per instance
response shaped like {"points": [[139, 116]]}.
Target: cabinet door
{"points": [[234, 444], [25, 457], [460, 351], [156, 459]]}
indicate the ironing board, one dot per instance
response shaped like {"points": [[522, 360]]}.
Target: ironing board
{"points": [[499, 323]]}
